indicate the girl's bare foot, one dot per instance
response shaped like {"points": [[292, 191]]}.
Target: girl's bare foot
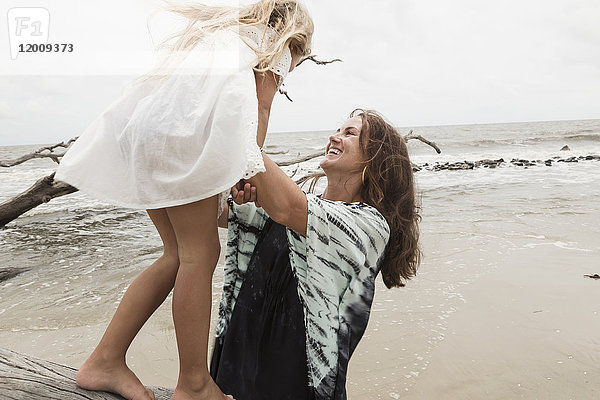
{"points": [[209, 391], [114, 377]]}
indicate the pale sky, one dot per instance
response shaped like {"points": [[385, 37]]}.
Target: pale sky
{"points": [[419, 62]]}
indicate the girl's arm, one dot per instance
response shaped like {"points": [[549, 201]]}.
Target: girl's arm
{"points": [[287, 205], [266, 87], [278, 195]]}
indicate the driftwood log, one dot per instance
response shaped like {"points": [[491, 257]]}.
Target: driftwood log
{"points": [[10, 272], [44, 190], [27, 378]]}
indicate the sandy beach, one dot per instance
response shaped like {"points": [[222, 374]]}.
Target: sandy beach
{"points": [[522, 333], [520, 329], [500, 308]]}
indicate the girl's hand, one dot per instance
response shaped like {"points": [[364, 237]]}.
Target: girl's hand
{"points": [[243, 193]]}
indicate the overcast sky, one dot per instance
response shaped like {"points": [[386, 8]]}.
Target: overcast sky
{"points": [[419, 62]]}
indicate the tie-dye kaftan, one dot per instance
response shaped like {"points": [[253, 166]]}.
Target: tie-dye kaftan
{"points": [[336, 264]]}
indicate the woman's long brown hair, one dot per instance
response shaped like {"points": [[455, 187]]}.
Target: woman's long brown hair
{"points": [[388, 186]]}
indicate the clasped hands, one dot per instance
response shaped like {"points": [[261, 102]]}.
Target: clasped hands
{"points": [[244, 192]]}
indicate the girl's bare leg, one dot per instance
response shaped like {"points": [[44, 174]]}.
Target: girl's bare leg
{"points": [[195, 227], [106, 369]]}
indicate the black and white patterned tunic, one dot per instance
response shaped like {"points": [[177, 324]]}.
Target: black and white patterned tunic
{"points": [[336, 264]]}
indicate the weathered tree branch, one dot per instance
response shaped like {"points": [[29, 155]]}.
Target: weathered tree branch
{"points": [[301, 159], [422, 139], [25, 377], [309, 176], [10, 272], [313, 58], [273, 152], [39, 153], [44, 190], [309, 157]]}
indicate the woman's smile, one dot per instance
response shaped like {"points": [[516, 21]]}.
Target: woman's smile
{"points": [[334, 151]]}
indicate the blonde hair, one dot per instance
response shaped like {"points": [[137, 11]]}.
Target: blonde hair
{"points": [[289, 19]]}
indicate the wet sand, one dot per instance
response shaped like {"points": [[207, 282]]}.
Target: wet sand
{"points": [[523, 327], [526, 331]]}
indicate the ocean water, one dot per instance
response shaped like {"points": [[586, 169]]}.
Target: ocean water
{"points": [[82, 253]]}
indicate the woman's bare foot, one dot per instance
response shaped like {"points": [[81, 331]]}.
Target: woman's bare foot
{"points": [[209, 391], [114, 377]]}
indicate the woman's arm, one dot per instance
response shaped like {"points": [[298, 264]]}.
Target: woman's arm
{"points": [[278, 195]]}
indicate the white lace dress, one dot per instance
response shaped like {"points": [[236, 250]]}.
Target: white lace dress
{"points": [[187, 138]]}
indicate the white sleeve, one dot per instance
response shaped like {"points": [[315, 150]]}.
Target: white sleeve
{"points": [[283, 65], [259, 39]]}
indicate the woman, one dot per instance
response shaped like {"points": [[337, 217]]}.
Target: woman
{"points": [[300, 272]]}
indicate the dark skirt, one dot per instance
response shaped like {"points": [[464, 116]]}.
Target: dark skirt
{"points": [[262, 355]]}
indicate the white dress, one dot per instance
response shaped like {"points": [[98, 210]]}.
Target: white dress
{"points": [[187, 138]]}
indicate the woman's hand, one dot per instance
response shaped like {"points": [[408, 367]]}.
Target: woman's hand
{"points": [[243, 192]]}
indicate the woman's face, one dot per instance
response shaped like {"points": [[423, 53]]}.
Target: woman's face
{"points": [[343, 150]]}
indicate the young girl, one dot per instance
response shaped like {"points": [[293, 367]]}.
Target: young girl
{"points": [[174, 144]]}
